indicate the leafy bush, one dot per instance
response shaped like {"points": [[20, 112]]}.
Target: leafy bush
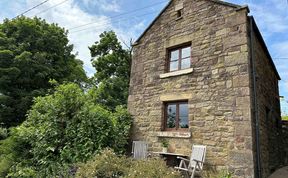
{"points": [[105, 165], [12, 150], [65, 128], [20, 171], [121, 128], [108, 165], [3, 133], [154, 167]]}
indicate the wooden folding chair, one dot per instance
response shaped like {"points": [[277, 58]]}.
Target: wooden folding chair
{"points": [[140, 150], [195, 164]]}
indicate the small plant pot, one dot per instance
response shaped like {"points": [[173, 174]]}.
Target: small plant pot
{"points": [[165, 150]]}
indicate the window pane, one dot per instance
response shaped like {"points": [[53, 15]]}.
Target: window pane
{"points": [[171, 116], [173, 66], [174, 55], [186, 52], [185, 63], [183, 116]]}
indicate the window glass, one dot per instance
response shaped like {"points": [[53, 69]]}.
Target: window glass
{"points": [[176, 116], [173, 66], [179, 59], [186, 52], [185, 63], [174, 55], [183, 116], [171, 116]]}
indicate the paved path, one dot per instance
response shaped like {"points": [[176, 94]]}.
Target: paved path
{"points": [[280, 173]]}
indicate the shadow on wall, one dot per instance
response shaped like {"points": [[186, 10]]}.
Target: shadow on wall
{"points": [[285, 140]]}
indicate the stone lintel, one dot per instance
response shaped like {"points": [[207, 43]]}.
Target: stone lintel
{"points": [[179, 40], [179, 6], [175, 97], [176, 73], [174, 134]]}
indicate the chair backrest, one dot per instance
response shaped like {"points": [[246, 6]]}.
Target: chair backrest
{"points": [[140, 149], [198, 153]]}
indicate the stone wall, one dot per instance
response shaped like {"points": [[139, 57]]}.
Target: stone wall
{"points": [[268, 109], [218, 88]]}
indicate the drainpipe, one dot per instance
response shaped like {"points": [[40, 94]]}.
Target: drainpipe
{"points": [[258, 156]]}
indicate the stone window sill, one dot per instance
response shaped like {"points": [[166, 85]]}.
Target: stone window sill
{"points": [[174, 134], [176, 73]]}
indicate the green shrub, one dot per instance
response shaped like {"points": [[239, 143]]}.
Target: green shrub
{"points": [[65, 128], [3, 133], [154, 167], [108, 165], [122, 122], [105, 165], [19, 171], [12, 150]]}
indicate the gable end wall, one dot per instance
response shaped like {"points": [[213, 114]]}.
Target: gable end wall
{"points": [[218, 89]]}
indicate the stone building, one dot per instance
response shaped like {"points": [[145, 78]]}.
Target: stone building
{"points": [[202, 74]]}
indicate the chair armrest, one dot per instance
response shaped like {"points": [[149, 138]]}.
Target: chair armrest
{"points": [[198, 161], [178, 157]]}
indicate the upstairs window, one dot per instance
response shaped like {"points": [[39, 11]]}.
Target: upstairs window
{"points": [[179, 58], [176, 116]]}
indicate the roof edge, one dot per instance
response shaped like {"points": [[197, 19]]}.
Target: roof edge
{"points": [[261, 39], [243, 7], [238, 7], [152, 23], [226, 3]]}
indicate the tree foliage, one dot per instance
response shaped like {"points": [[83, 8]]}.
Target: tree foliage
{"points": [[31, 53], [66, 127], [13, 150], [112, 64]]}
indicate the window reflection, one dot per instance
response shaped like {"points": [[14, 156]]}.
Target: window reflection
{"points": [[171, 116], [183, 116], [177, 115]]}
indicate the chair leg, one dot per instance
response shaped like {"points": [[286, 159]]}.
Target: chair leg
{"points": [[193, 173]]}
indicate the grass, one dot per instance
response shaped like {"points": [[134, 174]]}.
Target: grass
{"points": [[285, 118]]}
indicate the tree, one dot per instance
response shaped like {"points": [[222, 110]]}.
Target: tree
{"points": [[64, 128], [112, 64], [32, 52]]}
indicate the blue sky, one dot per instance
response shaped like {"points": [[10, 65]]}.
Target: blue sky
{"points": [[271, 17]]}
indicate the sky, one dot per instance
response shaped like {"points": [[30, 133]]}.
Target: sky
{"points": [[129, 18]]}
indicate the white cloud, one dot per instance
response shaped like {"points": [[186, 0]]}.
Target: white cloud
{"points": [[105, 5], [70, 14], [110, 6], [269, 21]]}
